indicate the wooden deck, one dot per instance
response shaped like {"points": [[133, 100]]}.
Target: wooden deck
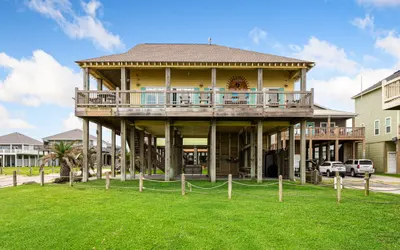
{"points": [[340, 133]]}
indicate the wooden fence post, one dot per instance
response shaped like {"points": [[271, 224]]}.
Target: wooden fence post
{"points": [[42, 178], [229, 186], [338, 187], [280, 189], [1, 170], [366, 183], [71, 179], [183, 184], [141, 182], [30, 171], [107, 180], [14, 178], [190, 187]]}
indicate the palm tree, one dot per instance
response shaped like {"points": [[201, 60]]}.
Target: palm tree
{"points": [[68, 155]]}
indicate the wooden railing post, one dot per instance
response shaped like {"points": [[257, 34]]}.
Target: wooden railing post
{"points": [[280, 189], [183, 184], [14, 178], [229, 186], [42, 178], [366, 183]]}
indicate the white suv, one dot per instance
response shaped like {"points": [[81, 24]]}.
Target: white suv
{"points": [[359, 167], [329, 168]]}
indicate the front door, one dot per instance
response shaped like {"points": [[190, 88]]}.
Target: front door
{"points": [[391, 163]]}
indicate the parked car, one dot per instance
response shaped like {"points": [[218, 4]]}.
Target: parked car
{"points": [[329, 168], [356, 167]]}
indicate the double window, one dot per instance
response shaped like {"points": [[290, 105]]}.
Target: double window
{"points": [[388, 125], [376, 127]]}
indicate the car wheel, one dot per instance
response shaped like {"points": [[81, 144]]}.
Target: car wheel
{"points": [[328, 173], [352, 173]]}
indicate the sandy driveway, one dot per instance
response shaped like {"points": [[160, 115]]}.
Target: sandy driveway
{"points": [[7, 180]]}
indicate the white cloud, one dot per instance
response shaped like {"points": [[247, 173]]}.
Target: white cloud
{"points": [[390, 44], [37, 80], [78, 26], [326, 55], [364, 23], [336, 92], [257, 35], [8, 122], [72, 122], [380, 3]]}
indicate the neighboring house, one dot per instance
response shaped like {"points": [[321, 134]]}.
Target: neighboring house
{"points": [[19, 150], [381, 127], [391, 92], [75, 136], [177, 91]]}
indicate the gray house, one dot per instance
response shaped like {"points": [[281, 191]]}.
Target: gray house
{"points": [[19, 150], [381, 128]]}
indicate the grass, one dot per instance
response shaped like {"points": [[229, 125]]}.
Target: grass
{"points": [[26, 170], [390, 175], [89, 217]]}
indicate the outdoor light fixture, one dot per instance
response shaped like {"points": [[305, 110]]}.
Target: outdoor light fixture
{"points": [[201, 84]]}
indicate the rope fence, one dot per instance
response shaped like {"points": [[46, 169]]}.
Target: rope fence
{"points": [[183, 186]]}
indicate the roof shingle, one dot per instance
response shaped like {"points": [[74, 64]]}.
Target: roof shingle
{"points": [[71, 135], [17, 138]]}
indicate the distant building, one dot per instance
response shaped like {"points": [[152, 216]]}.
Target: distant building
{"points": [[381, 127], [19, 150]]}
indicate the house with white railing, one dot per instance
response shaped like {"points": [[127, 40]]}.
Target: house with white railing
{"points": [[236, 99], [19, 150]]}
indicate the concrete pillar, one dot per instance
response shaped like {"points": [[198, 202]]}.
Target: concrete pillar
{"points": [[336, 150], [132, 153], [167, 152], [252, 154], [85, 153], [291, 152], [149, 155], [303, 127], [259, 151], [123, 150], [113, 147], [141, 152], [213, 149]]}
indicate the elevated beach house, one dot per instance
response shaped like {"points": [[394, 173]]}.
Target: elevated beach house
{"points": [[235, 98]]}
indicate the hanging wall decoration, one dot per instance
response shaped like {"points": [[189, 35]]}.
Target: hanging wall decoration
{"points": [[237, 83]]}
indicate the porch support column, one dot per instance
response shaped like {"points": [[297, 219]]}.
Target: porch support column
{"points": [[291, 152], [303, 79], [123, 150], [303, 128], [278, 150], [259, 85], [363, 149], [320, 155], [353, 150], [149, 155], [213, 148], [259, 150], [132, 153], [85, 147], [172, 171], [167, 85], [328, 151], [141, 152], [156, 156], [167, 152], [252, 154], [113, 146], [336, 150], [246, 151], [123, 84], [99, 150]]}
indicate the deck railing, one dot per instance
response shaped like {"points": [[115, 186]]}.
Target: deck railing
{"points": [[391, 94], [19, 151], [333, 132], [195, 99]]}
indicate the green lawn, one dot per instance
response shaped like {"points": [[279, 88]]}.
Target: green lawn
{"points": [[89, 217], [26, 170], [390, 175]]}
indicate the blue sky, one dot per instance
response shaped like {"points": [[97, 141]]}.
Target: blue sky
{"points": [[41, 39]]}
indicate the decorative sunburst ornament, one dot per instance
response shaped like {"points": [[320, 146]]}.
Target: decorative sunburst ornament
{"points": [[237, 83]]}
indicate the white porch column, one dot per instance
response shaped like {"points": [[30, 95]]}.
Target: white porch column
{"points": [[113, 146], [213, 149], [29, 161], [23, 161], [123, 150], [259, 151], [167, 152], [303, 125], [291, 152], [99, 151]]}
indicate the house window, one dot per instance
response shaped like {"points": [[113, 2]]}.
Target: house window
{"points": [[376, 127], [325, 124], [388, 125]]}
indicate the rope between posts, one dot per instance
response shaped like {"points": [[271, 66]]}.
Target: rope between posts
{"points": [[160, 181], [372, 202], [205, 188], [162, 190], [252, 185], [208, 193]]}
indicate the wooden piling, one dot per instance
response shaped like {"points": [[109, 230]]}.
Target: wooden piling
{"points": [[14, 178], [183, 184], [280, 188], [366, 183], [42, 178], [71, 179], [141, 182], [229, 186], [107, 180], [338, 187]]}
